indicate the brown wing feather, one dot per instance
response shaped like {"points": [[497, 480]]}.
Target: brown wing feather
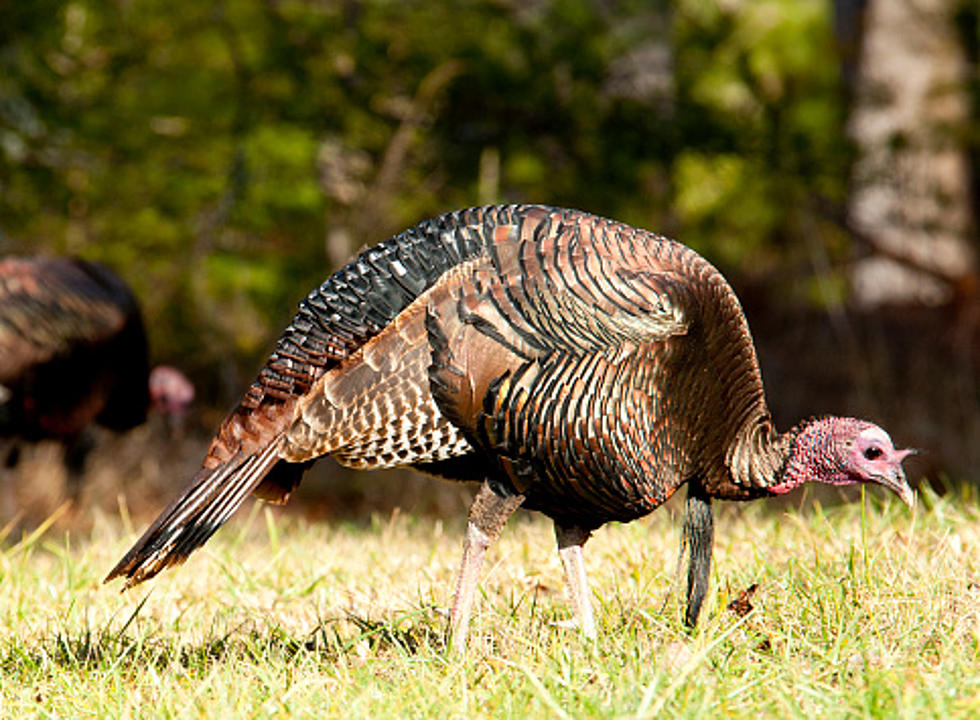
{"points": [[375, 409], [585, 283]]}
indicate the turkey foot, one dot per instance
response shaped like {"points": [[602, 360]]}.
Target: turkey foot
{"points": [[570, 542], [488, 514]]}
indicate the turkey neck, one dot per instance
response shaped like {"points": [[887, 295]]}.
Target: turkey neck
{"points": [[740, 454], [757, 461]]}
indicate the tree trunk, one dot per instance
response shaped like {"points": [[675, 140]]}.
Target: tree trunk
{"points": [[911, 198]]}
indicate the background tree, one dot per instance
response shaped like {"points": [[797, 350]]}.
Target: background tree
{"points": [[226, 156]]}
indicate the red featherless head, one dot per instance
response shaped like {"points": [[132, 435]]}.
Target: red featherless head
{"points": [[844, 451]]}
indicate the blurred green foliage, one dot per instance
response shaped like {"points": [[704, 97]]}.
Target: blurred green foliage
{"points": [[226, 156]]}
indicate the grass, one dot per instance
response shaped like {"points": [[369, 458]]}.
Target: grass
{"points": [[860, 611]]}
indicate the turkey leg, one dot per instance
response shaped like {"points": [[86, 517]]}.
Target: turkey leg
{"points": [[488, 513], [570, 542], [699, 530]]}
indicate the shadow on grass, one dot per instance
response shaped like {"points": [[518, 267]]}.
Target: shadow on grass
{"points": [[333, 640]]}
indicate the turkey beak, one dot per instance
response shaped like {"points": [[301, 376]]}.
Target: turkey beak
{"points": [[896, 482]]}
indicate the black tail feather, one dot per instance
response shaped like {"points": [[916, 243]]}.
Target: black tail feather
{"points": [[212, 498]]}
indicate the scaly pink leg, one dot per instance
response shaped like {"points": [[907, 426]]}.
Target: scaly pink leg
{"points": [[570, 542], [488, 514]]}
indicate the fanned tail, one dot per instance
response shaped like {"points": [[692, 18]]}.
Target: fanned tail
{"points": [[212, 498]]}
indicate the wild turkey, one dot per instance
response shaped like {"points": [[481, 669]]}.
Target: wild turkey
{"points": [[577, 366], [172, 394], [73, 352]]}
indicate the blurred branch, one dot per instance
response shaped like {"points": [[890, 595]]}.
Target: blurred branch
{"points": [[872, 246], [395, 155], [421, 106], [368, 218], [215, 216]]}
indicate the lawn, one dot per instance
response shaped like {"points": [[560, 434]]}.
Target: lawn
{"points": [[860, 611]]}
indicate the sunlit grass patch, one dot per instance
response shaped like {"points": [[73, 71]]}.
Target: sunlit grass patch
{"points": [[872, 613]]}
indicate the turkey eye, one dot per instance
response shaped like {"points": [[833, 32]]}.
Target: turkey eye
{"points": [[872, 453]]}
